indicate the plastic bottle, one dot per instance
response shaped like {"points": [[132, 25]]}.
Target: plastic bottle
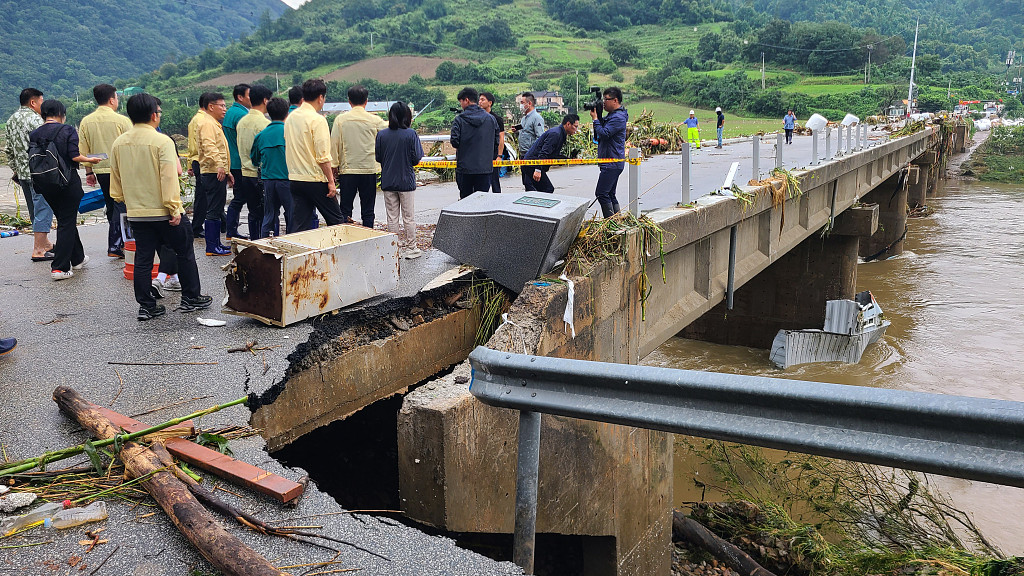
{"points": [[75, 516], [15, 523]]}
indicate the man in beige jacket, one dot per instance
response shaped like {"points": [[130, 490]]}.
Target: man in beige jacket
{"points": [[352, 154], [144, 171]]}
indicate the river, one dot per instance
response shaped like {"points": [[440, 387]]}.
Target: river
{"points": [[956, 301]]}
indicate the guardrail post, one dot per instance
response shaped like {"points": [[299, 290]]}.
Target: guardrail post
{"points": [[828, 143], [849, 139], [865, 140], [732, 267], [814, 148], [634, 182], [860, 141], [839, 141], [686, 165], [757, 158], [780, 140], [527, 470]]}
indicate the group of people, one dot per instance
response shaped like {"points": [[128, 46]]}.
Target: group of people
{"points": [[693, 134], [477, 135], [137, 169]]}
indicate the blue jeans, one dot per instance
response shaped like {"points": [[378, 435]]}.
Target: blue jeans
{"points": [[276, 195], [39, 211], [719, 136], [607, 181]]}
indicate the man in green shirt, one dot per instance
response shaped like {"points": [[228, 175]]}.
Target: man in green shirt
{"points": [[96, 133], [232, 117], [247, 187], [268, 153]]}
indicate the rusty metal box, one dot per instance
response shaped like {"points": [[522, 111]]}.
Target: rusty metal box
{"points": [[289, 278]]}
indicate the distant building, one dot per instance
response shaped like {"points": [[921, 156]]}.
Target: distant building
{"points": [[550, 101], [380, 106]]}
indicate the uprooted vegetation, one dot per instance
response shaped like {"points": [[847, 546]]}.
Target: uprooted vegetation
{"points": [[808, 515]]}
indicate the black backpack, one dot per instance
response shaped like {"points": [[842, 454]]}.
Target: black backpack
{"points": [[46, 165]]}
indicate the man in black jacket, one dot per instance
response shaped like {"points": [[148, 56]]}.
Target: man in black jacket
{"points": [[475, 139], [548, 147]]}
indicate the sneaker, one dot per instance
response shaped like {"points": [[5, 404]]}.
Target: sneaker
{"points": [[201, 302], [7, 344], [115, 253], [80, 265], [414, 253], [59, 275], [172, 285], [157, 290], [218, 251], [150, 313]]}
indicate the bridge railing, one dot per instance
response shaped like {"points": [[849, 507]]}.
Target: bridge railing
{"points": [[963, 437]]}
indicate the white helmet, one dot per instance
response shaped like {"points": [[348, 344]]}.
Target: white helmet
{"points": [[691, 112], [718, 109]]}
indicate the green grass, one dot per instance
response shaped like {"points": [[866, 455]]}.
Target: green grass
{"points": [[552, 49], [734, 125]]}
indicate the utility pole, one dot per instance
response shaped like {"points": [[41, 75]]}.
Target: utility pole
{"points": [[913, 62], [278, 78], [371, 41], [762, 70], [867, 76], [577, 89]]}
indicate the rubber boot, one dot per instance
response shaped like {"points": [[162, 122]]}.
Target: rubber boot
{"points": [[607, 210], [231, 223], [615, 207], [211, 228]]}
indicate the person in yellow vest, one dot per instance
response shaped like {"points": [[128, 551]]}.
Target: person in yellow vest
{"points": [[308, 156], [352, 155], [96, 133], [247, 186], [199, 200], [692, 132], [144, 170], [214, 168]]}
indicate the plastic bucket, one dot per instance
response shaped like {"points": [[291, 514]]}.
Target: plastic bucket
{"points": [[850, 120]]}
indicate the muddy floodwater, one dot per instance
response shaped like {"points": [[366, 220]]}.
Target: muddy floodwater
{"points": [[956, 302]]}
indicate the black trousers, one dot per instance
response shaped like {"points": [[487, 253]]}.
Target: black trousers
{"points": [[307, 196], [248, 191], [496, 180], [151, 236], [113, 212], [470, 183], [199, 201], [366, 186], [789, 135], [607, 181], [216, 194], [542, 185], [64, 202]]}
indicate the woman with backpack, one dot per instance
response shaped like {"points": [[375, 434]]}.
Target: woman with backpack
{"points": [[53, 160]]}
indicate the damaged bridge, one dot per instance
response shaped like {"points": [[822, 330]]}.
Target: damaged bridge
{"points": [[605, 492]]}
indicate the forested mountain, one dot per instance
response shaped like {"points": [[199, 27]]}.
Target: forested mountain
{"points": [[63, 47]]}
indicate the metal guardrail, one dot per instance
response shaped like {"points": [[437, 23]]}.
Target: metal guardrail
{"points": [[963, 437]]}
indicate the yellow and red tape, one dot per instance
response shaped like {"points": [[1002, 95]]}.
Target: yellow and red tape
{"points": [[559, 162]]}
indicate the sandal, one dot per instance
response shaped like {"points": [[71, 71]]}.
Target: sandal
{"points": [[44, 258]]}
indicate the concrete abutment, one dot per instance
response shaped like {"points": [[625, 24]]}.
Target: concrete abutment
{"points": [[891, 198]]}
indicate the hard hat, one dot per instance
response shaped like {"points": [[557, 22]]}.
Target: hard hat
{"points": [[691, 112], [718, 109]]}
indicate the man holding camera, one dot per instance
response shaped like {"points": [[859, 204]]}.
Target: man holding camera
{"points": [[548, 147], [610, 131]]}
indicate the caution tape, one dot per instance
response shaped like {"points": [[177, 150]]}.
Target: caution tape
{"points": [[557, 162]]}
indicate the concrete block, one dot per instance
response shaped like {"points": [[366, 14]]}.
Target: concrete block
{"points": [[513, 237], [857, 221]]}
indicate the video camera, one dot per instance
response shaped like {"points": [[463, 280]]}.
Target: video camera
{"points": [[597, 103]]}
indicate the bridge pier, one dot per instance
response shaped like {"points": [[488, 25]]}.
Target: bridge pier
{"points": [[790, 294], [925, 182], [891, 198]]}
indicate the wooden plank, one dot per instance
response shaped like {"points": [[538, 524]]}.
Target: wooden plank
{"points": [[228, 468], [186, 428]]}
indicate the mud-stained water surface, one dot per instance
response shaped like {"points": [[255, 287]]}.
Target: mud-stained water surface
{"points": [[956, 302]]}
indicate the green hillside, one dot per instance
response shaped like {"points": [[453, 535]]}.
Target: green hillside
{"points": [[62, 48]]}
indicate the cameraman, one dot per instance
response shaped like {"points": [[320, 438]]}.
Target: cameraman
{"points": [[610, 132]]}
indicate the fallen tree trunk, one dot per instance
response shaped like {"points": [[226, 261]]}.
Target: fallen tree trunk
{"points": [[226, 552], [693, 532]]}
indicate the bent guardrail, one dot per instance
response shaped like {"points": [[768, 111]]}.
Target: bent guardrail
{"points": [[963, 437]]}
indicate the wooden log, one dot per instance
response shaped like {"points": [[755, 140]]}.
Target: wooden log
{"points": [[693, 532], [226, 552]]}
